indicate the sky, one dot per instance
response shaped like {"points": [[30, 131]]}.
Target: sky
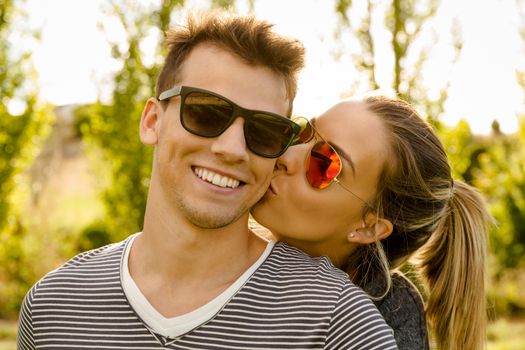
{"points": [[74, 62]]}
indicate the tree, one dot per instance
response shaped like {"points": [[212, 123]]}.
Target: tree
{"points": [[504, 180], [405, 21], [113, 128], [20, 135]]}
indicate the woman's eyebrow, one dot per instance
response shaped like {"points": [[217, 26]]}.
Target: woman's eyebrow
{"points": [[346, 157]]}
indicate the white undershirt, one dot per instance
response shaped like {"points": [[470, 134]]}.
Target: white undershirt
{"points": [[179, 325]]}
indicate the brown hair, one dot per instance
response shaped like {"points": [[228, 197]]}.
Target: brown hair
{"points": [[245, 36], [446, 218]]}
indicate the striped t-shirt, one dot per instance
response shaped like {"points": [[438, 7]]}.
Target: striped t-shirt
{"points": [[291, 301]]}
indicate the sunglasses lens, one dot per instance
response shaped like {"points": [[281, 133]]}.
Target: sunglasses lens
{"points": [[323, 165], [306, 133], [205, 115], [268, 135], [209, 115]]}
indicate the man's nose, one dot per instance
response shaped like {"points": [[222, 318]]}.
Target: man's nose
{"points": [[231, 144]]}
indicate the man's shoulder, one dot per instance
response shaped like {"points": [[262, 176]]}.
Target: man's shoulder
{"points": [[92, 264], [313, 296], [288, 264], [102, 256], [293, 257], [291, 280]]}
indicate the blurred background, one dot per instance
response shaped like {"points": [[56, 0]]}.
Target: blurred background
{"points": [[74, 76]]}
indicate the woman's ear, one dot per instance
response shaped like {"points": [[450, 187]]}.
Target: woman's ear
{"points": [[377, 230], [150, 122], [383, 228]]}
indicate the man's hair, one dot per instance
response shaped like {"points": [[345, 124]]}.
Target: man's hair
{"points": [[250, 39]]}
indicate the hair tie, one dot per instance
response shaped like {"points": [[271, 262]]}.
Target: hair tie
{"points": [[452, 189]]}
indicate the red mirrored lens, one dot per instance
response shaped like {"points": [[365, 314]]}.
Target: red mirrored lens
{"points": [[323, 165]]}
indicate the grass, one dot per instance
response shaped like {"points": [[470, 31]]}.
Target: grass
{"points": [[506, 335], [7, 335], [502, 335]]}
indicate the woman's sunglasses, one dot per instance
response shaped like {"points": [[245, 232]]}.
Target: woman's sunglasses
{"points": [[205, 113], [323, 164]]}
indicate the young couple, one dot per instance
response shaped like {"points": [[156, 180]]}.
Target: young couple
{"points": [[366, 184]]}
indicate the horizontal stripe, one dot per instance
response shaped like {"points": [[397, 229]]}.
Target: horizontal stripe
{"points": [[290, 302]]}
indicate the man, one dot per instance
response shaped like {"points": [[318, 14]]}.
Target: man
{"points": [[196, 277]]}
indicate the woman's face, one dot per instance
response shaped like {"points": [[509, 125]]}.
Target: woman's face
{"points": [[319, 221]]}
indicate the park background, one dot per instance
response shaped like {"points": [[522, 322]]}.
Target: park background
{"points": [[74, 76]]}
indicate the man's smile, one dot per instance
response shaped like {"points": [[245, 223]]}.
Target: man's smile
{"points": [[216, 179]]}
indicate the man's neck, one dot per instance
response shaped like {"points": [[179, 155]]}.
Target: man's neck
{"points": [[179, 267]]}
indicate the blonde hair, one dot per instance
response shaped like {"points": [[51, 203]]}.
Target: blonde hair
{"points": [[251, 39], [446, 218]]}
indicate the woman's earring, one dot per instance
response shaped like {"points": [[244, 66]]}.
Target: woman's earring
{"points": [[351, 236]]}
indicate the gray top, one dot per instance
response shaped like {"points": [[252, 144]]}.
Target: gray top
{"points": [[404, 311]]}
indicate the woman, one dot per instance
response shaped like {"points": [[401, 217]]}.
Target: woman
{"points": [[378, 190]]}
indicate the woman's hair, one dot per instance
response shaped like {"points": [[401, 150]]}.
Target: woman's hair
{"points": [[446, 218], [250, 39]]}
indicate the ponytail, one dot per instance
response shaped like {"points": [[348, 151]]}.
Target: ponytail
{"points": [[454, 263], [443, 222]]}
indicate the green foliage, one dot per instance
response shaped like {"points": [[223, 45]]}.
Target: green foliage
{"points": [[507, 295], [341, 7], [495, 165], [20, 137], [365, 61], [464, 150], [93, 236], [11, 128], [223, 4], [113, 129], [8, 331], [128, 163], [506, 335], [405, 21], [15, 276], [502, 178]]}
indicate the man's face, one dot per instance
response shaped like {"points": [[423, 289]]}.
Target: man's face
{"points": [[213, 182]]}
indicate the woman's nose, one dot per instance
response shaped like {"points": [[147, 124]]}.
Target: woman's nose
{"points": [[292, 160]]}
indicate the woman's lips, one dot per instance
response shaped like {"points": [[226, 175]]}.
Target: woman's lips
{"points": [[272, 190]]}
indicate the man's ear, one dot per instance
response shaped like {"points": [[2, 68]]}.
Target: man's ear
{"points": [[150, 122], [377, 229]]}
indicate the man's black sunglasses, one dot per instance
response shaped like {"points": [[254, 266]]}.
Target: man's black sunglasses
{"points": [[205, 113]]}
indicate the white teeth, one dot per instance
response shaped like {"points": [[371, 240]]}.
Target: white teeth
{"points": [[216, 179], [223, 181], [208, 176]]}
